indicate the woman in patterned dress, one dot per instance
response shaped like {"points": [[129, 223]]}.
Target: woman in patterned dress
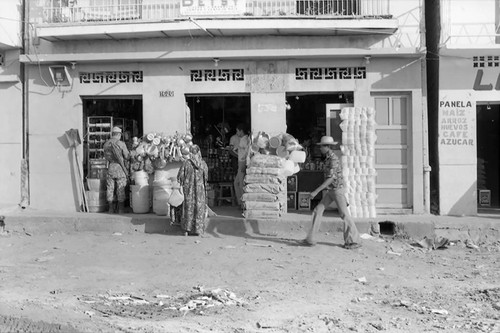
{"points": [[193, 176]]}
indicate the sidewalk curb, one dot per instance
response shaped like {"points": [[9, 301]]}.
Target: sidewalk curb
{"points": [[217, 226], [230, 222]]}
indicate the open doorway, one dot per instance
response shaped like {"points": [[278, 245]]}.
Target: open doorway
{"points": [[100, 115], [307, 118], [311, 116], [216, 116], [488, 156], [214, 119]]}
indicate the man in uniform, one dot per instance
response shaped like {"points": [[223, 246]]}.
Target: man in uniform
{"points": [[117, 155], [334, 184]]}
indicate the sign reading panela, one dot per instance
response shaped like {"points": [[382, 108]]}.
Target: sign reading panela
{"points": [[457, 129], [454, 126], [212, 7]]}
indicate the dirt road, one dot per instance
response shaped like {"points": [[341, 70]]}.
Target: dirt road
{"points": [[136, 282]]}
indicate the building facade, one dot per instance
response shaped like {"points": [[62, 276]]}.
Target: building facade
{"points": [[11, 125], [188, 66], [469, 102]]}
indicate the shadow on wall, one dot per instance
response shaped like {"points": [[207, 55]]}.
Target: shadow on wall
{"points": [[403, 76], [72, 164], [466, 206]]}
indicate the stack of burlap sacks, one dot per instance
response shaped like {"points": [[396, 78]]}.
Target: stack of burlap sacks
{"points": [[265, 190]]}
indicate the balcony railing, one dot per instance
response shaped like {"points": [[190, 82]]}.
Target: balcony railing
{"points": [[67, 11]]}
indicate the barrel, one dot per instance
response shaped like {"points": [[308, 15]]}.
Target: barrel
{"points": [[96, 201], [139, 198], [140, 178], [96, 184], [161, 194]]}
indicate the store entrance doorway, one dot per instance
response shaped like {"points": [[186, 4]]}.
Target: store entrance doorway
{"points": [[100, 115], [488, 156], [309, 117], [308, 121], [214, 119]]}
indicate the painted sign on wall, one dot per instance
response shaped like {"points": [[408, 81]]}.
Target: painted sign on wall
{"points": [[488, 62], [457, 129], [212, 7]]}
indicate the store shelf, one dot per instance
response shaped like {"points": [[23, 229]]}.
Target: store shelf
{"points": [[98, 132], [220, 167]]}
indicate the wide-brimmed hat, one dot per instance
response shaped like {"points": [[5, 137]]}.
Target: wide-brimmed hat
{"points": [[327, 141], [116, 130]]}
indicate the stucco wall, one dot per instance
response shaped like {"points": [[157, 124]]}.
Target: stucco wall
{"points": [[458, 161], [10, 130], [54, 110]]}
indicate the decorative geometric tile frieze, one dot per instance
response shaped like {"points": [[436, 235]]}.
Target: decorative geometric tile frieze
{"points": [[485, 61], [111, 77], [330, 73], [200, 75]]}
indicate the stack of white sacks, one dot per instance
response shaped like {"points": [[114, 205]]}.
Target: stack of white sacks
{"points": [[269, 162], [265, 188], [358, 160]]}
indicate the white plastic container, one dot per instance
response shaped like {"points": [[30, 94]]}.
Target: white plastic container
{"points": [[140, 198], [140, 178]]}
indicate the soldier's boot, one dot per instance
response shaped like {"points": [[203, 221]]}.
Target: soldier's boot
{"points": [[121, 208]]}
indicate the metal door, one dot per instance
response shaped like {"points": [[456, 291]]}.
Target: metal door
{"points": [[392, 151]]}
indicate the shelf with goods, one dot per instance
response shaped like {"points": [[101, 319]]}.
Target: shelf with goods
{"points": [[220, 165], [98, 132]]}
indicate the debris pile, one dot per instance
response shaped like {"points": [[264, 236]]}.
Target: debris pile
{"points": [[161, 306]]}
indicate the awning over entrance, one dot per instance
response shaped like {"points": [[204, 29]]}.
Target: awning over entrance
{"points": [[219, 28]]}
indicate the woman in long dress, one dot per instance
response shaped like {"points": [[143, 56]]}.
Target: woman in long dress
{"points": [[193, 176]]}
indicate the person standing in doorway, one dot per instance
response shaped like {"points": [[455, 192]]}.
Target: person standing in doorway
{"points": [[117, 154], [334, 184], [240, 143]]}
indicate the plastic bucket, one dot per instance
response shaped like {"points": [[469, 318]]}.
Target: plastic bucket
{"points": [[176, 198], [140, 178], [96, 184], [95, 198], [139, 198], [96, 201], [297, 156], [161, 194], [288, 168], [161, 175], [275, 142], [282, 152], [98, 209]]}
